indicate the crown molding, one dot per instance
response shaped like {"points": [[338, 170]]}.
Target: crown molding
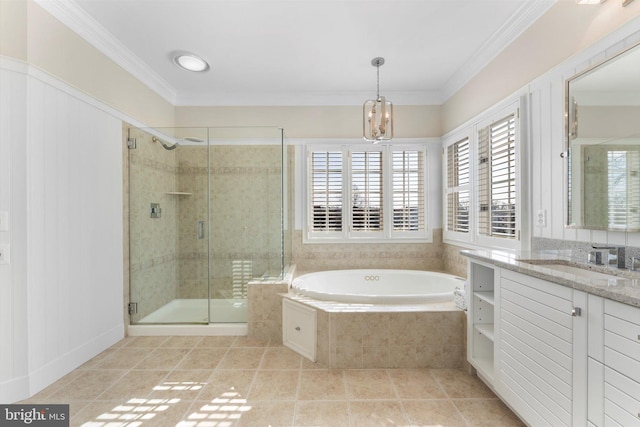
{"points": [[235, 99], [79, 21], [528, 13]]}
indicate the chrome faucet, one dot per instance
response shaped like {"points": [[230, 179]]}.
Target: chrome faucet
{"points": [[617, 257]]}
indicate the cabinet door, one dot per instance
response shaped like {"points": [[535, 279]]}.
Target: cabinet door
{"points": [[536, 348]]}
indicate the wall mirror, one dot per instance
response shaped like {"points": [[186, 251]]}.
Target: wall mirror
{"points": [[602, 113]]}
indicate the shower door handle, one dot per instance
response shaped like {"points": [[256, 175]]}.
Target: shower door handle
{"points": [[200, 230]]}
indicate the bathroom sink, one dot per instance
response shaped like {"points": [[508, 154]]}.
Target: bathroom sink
{"points": [[563, 267], [580, 272]]}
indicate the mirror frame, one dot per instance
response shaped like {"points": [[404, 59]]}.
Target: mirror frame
{"points": [[571, 133]]}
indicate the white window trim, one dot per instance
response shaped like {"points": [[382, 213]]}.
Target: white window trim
{"points": [[388, 235], [473, 239]]}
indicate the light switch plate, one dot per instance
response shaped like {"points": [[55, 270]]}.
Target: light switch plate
{"points": [[5, 254], [4, 221]]}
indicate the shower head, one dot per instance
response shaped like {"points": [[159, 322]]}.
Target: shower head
{"points": [[193, 139], [177, 143], [164, 144]]}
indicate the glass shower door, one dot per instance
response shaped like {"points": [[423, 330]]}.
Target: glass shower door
{"points": [[168, 208]]}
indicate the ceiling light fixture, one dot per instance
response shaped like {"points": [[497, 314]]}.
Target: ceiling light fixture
{"points": [[190, 62], [377, 124]]}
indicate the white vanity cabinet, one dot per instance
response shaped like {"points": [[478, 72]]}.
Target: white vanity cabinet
{"points": [[614, 363], [538, 357], [537, 341]]}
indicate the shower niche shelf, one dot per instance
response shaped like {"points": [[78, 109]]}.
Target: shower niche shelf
{"points": [[178, 193]]}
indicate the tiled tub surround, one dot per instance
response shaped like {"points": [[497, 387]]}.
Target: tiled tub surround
{"points": [[310, 257], [387, 336]]}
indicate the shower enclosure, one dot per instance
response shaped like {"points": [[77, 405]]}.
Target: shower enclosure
{"points": [[207, 215]]}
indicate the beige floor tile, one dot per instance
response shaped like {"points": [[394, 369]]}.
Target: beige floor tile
{"points": [[416, 384], [218, 413], [267, 413], [318, 413], [458, 384], [145, 342], [242, 358], [124, 358], [377, 413], [317, 384], [96, 361], [163, 358], [202, 358], [487, 413], [182, 384], [181, 342], [216, 342], [249, 342], [369, 384], [228, 384], [134, 384], [88, 386], [280, 358], [275, 385], [137, 411], [433, 413]]}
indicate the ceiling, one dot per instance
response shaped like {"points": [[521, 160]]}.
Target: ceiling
{"points": [[302, 52]]}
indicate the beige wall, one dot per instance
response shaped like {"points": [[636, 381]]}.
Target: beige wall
{"points": [[563, 31], [13, 29], [31, 34], [314, 122]]}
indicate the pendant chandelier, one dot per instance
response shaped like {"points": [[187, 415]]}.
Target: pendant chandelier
{"points": [[377, 121]]}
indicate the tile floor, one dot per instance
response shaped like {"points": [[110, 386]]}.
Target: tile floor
{"points": [[233, 381]]}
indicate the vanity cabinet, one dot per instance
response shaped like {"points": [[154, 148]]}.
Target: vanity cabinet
{"points": [[536, 348], [614, 363], [537, 360]]}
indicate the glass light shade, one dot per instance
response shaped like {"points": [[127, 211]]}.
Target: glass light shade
{"points": [[377, 120], [191, 62]]}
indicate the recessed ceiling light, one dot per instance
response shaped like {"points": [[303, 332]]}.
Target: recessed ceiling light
{"points": [[190, 62]]}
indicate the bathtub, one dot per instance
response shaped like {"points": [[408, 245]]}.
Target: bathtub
{"points": [[377, 286]]}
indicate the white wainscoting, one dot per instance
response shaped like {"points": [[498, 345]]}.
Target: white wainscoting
{"points": [[64, 283]]}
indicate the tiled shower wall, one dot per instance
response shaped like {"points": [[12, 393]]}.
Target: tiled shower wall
{"points": [[245, 217]]}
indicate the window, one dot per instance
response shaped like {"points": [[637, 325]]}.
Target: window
{"points": [[457, 188], [482, 182], [497, 179], [358, 192]]}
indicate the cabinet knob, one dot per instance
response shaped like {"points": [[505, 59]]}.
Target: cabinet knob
{"points": [[576, 312], [297, 328]]}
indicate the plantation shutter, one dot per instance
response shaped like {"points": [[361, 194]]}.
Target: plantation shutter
{"points": [[326, 191], [366, 191], [408, 190], [497, 179], [458, 186]]}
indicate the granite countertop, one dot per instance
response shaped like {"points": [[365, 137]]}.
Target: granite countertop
{"points": [[623, 286]]}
